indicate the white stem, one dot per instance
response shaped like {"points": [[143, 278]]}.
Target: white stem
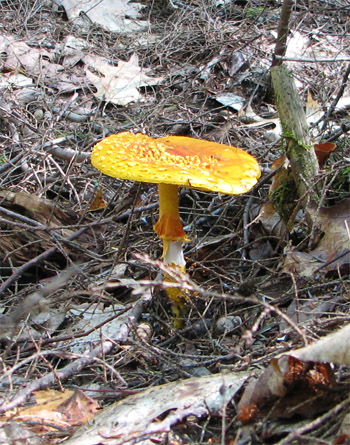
{"points": [[174, 254]]}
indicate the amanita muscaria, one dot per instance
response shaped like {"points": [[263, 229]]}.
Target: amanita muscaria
{"points": [[171, 162]]}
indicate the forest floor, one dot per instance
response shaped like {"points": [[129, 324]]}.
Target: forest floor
{"points": [[82, 299]]}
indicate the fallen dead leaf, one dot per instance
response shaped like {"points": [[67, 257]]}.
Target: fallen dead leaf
{"points": [[297, 44], [313, 109], [118, 84], [271, 221], [297, 382], [112, 15], [14, 433], [98, 203], [78, 408], [230, 100], [40, 209], [332, 251], [17, 55], [35, 63], [59, 409], [333, 348], [288, 386]]}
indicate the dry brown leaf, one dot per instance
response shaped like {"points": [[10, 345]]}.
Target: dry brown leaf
{"points": [[287, 387], [112, 15], [308, 388], [42, 210], [332, 251], [334, 348], [57, 409], [313, 109], [118, 84], [78, 409], [297, 382], [17, 55], [98, 203], [22, 245], [271, 221]]}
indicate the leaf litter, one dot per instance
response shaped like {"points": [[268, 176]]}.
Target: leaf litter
{"points": [[80, 72]]}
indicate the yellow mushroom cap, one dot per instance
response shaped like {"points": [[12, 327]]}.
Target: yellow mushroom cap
{"points": [[176, 160]]}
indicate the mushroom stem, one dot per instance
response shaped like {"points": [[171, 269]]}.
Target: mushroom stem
{"points": [[170, 230], [169, 202], [173, 254], [169, 227]]}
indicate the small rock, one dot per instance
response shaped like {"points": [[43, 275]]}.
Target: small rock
{"points": [[39, 114], [227, 324]]}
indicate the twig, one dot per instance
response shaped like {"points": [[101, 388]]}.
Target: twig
{"points": [[282, 32], [182, 281], [338, 257], [68, 104], [344, 129], [26, 220], [34, 299], [249, 203], [331, 109], [48, 341], [109, 219], [299, 149], [15, 118], [10, 164], [296, 434], [38, 225], [104, 348], [248, 335], [68, 154], [300, 59], [43, 256], [36, 260]]}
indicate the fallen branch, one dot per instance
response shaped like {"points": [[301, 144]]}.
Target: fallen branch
{"points": [[299, 150]]}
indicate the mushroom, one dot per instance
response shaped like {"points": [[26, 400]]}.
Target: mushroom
{"points": [[171, 162]]}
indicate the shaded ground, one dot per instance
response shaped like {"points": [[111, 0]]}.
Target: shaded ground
{"points": [[234, 262]]}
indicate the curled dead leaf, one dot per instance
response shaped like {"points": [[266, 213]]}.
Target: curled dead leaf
{"points": [[332, 251], [298, 382]]}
